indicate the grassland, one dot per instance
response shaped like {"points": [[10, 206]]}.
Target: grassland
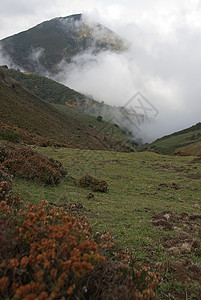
{"points": [[168, 144], [192, 149], [31, 113], [140, 185]]}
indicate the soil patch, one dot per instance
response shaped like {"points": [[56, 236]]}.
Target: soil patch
{"points": [[171, 185], [181, 246]]}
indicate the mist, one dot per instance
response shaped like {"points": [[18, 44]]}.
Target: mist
{"points": [[164, 68]]}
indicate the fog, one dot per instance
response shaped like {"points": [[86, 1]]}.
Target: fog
{"points": [[165, 69]]}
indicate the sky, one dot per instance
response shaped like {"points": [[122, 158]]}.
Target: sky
{"points": [[162, 63]]}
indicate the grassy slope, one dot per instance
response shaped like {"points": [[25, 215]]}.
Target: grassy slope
{"points": [[192, 149], [57, 93], [31, 113], [168, 144], [133, 197], [46, 88], [91, 121]]}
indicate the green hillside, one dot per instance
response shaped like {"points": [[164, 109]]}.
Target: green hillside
{"points": [[42, 47], [168, 144], [31, 113], [54, 92], [191, 149]]}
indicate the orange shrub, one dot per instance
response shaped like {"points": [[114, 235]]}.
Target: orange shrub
{"points": [[95, 184], [25, 163], [46, 253]]}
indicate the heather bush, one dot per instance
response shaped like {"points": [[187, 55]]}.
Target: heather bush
{"points": [[5, 189], [45, 253], [25, 163], [95, 184]]}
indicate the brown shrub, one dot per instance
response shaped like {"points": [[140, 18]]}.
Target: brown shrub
{"points": [[95, 184], [25, 163]]}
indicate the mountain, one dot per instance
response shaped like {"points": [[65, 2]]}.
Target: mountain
{"points": [[27, 111], [172, 143], [42, 48]]}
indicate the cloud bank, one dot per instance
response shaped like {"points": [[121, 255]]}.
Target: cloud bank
{"points": [[162, 65]]}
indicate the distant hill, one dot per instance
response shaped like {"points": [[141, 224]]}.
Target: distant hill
{"points": [[170, 143], [191, 149], [29, 112], [43, 47]]}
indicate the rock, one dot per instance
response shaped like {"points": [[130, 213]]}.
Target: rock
{"points": [[167, 216], [197, 206], [186, 247], [174, 250], [180, 200]]}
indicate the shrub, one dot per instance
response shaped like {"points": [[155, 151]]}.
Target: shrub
{"points": [[95, 184], [25, 163], [5, 189], [46, 253], [99, 119], [10, 135]]}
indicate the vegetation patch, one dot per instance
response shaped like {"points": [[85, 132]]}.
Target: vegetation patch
{"points": [[46, 253], [15, 134], [6, 183], [26, 163], [95, 184], [10, 134]]}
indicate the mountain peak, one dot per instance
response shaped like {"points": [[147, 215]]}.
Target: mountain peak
{"points": [[42, 48]]}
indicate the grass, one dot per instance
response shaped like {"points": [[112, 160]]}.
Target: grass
{"points": [[28, 112], [192, 149], [168, 144], [133, 189], [134, 196], [91, 121]]}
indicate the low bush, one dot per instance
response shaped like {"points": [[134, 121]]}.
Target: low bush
{"points": [[10, 134], [5, 189], [45, 253], [95, 184], [25, 163], [99, 119]]}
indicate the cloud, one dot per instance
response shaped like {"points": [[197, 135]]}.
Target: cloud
{"points": [[163, 64]]}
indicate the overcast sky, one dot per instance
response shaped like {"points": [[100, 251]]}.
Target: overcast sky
{"points": [[16, 16], [164, 61]]}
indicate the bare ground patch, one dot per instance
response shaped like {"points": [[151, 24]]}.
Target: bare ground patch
{"points": [[182, 247]]}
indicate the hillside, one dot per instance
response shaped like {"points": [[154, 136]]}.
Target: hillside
{"points": [[31, 113], [54, 92], [170, 143], [44, 46], [191, 149]]}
